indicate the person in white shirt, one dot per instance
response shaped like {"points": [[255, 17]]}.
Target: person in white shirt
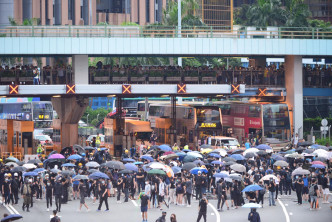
{"points": [[148, 191], [162, 193], [296, 140]]}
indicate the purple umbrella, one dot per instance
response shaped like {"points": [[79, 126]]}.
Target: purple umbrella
{"points": [[263, 147], [56, 156], [131, 166]]}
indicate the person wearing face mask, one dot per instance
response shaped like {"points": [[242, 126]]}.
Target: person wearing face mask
{"points": [[48, 194], [148, 192], [26, 193], [119, 186], [82, 191], [6, 189], [58, 192], [103, 195], [15, 187]]}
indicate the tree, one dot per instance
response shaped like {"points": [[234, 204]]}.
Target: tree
{"points": [[297, 13]]}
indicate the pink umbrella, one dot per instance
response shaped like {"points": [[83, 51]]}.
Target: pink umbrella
{"points": [[56, 156], [168, 152], [318, 162]]}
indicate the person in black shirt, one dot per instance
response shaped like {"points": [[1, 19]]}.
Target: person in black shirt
{"points": [[15, 188], [272, 190], [82, 190], [299, 188], [140, 180], [119, 186], [48, 193], [103, 195], [126, 186], [58, 192], [6, 189], [202, 208], [144, 206]]}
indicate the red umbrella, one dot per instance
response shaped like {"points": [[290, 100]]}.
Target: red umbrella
{"points": [[168, 152], [318, 162]]}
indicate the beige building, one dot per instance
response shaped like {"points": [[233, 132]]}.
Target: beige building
{"points": [[82, 12]]}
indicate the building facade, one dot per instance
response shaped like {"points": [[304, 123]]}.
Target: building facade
{"points": [[81, 12]]}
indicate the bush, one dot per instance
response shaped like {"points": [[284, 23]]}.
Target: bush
{"points": [[308, 123], [324, 142]]}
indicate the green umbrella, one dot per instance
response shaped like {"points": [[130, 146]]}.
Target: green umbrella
{"points": [[157, 171]]}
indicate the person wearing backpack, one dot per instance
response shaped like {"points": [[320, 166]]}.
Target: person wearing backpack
{"points": [[55, 218], [261, 193], [313, 193]]}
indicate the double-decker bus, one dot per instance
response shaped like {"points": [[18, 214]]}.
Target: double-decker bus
{"points": [[269, 121], [41, 112], [195, 122]]}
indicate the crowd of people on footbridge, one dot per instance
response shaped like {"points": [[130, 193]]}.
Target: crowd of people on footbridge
{"points": [[162, 176], [317, 76]]}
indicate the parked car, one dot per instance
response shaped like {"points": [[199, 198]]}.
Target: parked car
{"points": [[228, 142], [43, 139]]}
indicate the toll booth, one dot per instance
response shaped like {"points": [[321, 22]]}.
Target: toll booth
{"points": [[56, 138], [137, 131], [23, 137], [162, 130], [109, 125], [6, 136]]}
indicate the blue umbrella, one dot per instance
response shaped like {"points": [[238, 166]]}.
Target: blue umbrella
{"points": [[39, 170], [128, 160], [68, 165], [11, 217], [138, 163], [98, 175], [165, 148], [221, 175], [30, 174], [11, 159], [317, 166], [277, 157], [197, 169], [237, 157], [263, 147], [149, 158], [214, 155], [176, 169], [131, 166], [252, 188], [74, 157], [181, 154], [216, 162]]}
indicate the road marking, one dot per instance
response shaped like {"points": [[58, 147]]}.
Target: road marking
{"points": [[286, 205], [10, 211], [284, 210], [216, 212], [134, 202], [290, 213], [14, 210]]}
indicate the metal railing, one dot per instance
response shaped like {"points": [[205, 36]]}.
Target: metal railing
{"points": [[167, 32]]}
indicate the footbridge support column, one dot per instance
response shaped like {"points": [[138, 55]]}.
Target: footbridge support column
{"points": [[70, 111], [294, 88], [81, 69]]}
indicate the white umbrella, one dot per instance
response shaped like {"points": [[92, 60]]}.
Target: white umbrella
{"points": [[320, 151], [221, 152], [294, 155], [281, 163], [92, 164], [194, 154], [11, 164], [156, 165], [238, 167], [323, 155], [269, 176], [300, 171], [29, 166], [251, 205], [250, 150]]}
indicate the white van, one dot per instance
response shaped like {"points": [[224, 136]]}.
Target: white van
{"points": [[228, 142]]}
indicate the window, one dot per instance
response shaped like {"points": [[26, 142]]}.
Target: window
{"points": [[254, 111]]}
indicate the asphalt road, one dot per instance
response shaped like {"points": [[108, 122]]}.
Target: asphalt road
{"points": [[130, 212]]}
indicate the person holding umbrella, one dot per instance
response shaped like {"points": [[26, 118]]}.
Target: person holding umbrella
{"points": [[254, 216]]}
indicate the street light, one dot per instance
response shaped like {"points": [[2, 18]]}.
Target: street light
{"points": [[98, 116], [87, 119]]}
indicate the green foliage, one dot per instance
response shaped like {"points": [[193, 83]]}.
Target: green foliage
{"points": [[322, 25], [294, 13], [324, 142], [12, 21], [94, 122], [93, 115], [129, 24], [308, 123], [102, 23]]}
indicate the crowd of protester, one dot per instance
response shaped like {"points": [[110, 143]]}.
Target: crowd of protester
{"points": [[270, 76], [161, 176]]}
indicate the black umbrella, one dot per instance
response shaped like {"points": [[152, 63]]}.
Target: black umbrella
{"points": [[115, 165], [20, 163], [300, 149], [305, 143], [309, 151], [188, 166], [34, 161], [250, 155], [206, 146], [188, 159], [18, 169], [68, 173], [237, 151], [89, 148], [78, 148], [329, 148], [66, 149], [229, 163], [92, 170], [229, 159], [261, 153], [125, 171]]}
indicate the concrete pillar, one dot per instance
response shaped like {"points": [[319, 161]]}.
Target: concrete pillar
{"points": [[70, 111], [81, 69], [57, 12], [294, 87], [260, 61]]}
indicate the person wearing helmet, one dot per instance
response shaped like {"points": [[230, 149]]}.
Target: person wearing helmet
{"points": [[125, 154], [6, 189], [15, 187]]}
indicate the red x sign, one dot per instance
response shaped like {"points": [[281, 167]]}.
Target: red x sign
{"points": [[13, 89], [235, 89], [181, 88], [70, 89], [261, 92], [126, 89]]}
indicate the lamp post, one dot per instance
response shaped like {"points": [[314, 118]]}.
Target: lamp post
{"points": [[98, 116], [179, 28], [87, 119]]}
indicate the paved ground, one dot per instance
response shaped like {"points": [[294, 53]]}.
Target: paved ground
{"points": [[130, 212]]}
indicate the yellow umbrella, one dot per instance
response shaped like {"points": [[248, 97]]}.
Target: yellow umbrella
{"points": [[205, 151]]}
